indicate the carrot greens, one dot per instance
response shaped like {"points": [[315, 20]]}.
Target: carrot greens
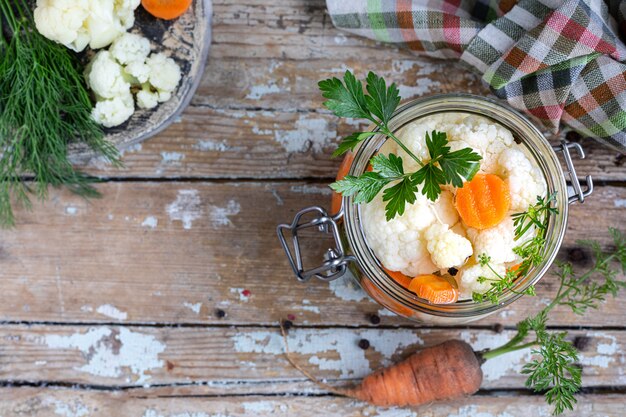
{"points": [[554, 370]]}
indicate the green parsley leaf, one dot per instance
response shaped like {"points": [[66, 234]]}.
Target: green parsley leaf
{"points": [[389, 167], [350, 142], [436, 143], [345, 100], [365, 187], [382, 101], [398, 195], [460, 166], [431, 176]]}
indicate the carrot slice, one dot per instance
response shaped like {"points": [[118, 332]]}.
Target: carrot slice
{"points": [[399, 277], [166, 9], [484, 201], [434, 289]]}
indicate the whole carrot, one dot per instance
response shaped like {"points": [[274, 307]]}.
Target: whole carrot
{"points": [[446, 371]]}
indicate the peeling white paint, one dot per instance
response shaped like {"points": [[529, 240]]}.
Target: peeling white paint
{"points": [[154, 413], [341, 345], [220, 216], [171, 157], [347, 289], [389, 412], [74, 409], [605, 351], [383, 312], [421, 87], [240, 291], [472, 411], [71, 210], [41, 363], [313, 309], [311, 189], [151, 222], [112, 312], [212, 145], [621, 203], [86, 309], [195, 307], [258, 91], [186, 208], [132, 148], [312, 133], [499, 366], [255, 408], [261, 132], [110, 353]]}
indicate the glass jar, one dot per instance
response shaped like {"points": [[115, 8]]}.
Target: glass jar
{"points": [[351, 252]]}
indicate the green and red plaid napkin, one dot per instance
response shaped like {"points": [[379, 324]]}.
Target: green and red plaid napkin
{"points": [[560, 60]]}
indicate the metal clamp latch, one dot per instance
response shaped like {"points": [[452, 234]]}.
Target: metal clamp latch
{"points": [[579, 194], [335, 259]]}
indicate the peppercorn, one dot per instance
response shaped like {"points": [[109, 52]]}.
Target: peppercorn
{"points": [[287, 324], [453, 271], [364, 344], [374, 319], [220, 313]]}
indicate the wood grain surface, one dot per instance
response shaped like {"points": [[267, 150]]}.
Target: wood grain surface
{"points": [[162, 299]]}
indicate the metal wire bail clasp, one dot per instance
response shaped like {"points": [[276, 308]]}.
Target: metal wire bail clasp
{"points": [[335, 259], [579, 194]]}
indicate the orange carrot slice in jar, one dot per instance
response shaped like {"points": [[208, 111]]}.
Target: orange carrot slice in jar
{"points": [[483, 202], [344, 168], [435, 289], [399, 277], [166, 9]]}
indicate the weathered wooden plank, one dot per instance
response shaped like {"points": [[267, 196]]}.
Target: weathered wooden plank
{"points": [[176, 252], [253, 82], [136, 356], [39, 402], [285, 135]]}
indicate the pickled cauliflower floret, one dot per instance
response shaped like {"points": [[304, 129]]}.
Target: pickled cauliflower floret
{"points": [[468, 278], [114, 111], [399, 243], [496, 242], [525, 181], [446, 248], [78, 23]]}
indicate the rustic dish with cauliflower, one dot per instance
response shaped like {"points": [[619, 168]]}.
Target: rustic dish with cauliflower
{"points": [[129, 72]]}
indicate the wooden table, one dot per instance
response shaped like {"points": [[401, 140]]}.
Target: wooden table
{"points": [[112, 307]]}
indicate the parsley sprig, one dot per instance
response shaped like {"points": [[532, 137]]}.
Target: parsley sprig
{"points": [[531, 251], [347, 99], [554, 370]]}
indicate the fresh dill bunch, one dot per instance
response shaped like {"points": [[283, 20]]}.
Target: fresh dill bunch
{"points": [[44, 107]]}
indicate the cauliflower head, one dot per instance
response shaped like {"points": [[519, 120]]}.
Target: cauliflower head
{"points": [[496, 242], [78, 23], [105, 76], [164, 72], [398, 244], [467, 278], [114, 111], [525, 181], [130, 48], [446, 248]]}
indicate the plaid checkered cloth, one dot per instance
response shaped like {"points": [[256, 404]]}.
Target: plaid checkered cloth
{"points": [[561, 61]]}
